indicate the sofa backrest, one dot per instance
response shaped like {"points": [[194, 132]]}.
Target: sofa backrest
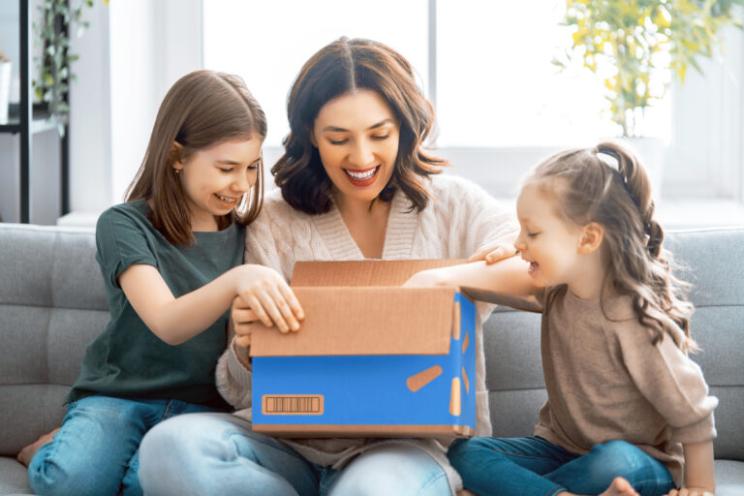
{"points": [[711, 260], [52, 304]]}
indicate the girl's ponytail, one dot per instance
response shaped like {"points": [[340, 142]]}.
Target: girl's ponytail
{"points": [[638, 185]]}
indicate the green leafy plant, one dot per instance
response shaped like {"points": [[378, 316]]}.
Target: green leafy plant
{"points": [[638, 46], [56, 21]]}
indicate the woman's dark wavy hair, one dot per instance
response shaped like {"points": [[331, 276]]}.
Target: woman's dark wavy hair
{"points": [[618, 197], [345, 66], [201, 109]]}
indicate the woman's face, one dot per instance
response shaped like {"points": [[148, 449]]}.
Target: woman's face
{"points": [[357, 137]]}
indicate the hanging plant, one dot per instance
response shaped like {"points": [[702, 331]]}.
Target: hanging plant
{"points": [[56, 22]]}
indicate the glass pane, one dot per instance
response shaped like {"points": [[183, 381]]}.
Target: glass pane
{"points": [[497, 86], [267, 42]]}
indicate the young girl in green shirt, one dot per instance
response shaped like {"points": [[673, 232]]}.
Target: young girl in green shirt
{"points": [[171, 258]]}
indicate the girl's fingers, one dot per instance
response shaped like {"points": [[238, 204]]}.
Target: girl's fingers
{"points": [[290, 298], [257, 307], [284, 309], [268, 303]]}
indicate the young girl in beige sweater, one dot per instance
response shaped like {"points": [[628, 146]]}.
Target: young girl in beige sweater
{"points": [[627, 411]]}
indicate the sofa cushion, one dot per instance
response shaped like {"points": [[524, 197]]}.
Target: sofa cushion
{"points": [[52, 304], [12, 477], [729, 478]]}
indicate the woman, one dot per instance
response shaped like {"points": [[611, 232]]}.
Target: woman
{"points": [[354, 183]]}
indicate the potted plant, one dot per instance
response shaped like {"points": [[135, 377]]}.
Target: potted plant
{"points": [[56, 21], [637, 47]]}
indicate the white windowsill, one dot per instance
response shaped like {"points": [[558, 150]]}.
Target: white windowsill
{"points": [[672, 214]]}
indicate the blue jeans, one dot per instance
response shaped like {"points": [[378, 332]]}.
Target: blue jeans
{"points": [[218, 454], [95, 450], [529, 466]]}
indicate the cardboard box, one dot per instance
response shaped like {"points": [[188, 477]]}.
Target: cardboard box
{"points": [[372, 358]]}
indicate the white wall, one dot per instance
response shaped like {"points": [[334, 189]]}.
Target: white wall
{"points": [[90, 114], [152, 45], [706, 158]]}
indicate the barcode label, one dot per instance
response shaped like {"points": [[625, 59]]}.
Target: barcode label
{"points": [[292, 404]]}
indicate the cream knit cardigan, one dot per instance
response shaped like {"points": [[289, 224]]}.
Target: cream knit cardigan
{"points": [[460, 218]]}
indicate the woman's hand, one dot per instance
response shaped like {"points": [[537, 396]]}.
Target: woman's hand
{"points": [[494, 252], [690, 491], [262, 294], [242, 317]]}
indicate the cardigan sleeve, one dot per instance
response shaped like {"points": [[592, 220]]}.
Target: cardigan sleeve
{"points": [[475, 218], [233, 379], [261, 244]]}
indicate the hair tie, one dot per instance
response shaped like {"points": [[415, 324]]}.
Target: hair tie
{"points": [[612, 160]]}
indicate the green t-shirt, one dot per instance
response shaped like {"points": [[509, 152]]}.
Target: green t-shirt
{"points": [[127, 360]]}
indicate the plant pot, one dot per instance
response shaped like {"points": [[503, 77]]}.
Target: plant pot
{"points": [[5, 72], [651, 152]]}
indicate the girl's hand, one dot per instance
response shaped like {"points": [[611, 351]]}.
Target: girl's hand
{"points": [[266, 297], [690, 491], [494, 252]]}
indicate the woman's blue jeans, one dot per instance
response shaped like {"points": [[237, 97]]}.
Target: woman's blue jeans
{"points": [[528, 466], [219, 454], [95, 451]]}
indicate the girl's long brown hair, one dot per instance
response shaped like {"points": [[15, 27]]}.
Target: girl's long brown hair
{"points": [[201, 109], [336, 69], [608, 185]]}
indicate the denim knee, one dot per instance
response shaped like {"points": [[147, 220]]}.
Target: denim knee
{"points": [[617, 458], [463, 453], [48, 477], [191, 455], [392, 469]]}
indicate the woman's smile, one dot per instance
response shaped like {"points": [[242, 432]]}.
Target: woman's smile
{"points": [[362, 178]]}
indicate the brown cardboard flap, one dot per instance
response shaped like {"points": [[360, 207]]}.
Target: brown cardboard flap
{"points": [[362, 272], [364, 321], [528, 304]]}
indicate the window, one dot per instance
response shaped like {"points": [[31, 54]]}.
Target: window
{"points": [[267, 42], [501, 103]]}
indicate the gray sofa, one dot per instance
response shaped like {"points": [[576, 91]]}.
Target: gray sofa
{"points": [[52, 304]]}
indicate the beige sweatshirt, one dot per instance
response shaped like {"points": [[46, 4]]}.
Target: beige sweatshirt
{"points": [[460, 218], [606, 380]]}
